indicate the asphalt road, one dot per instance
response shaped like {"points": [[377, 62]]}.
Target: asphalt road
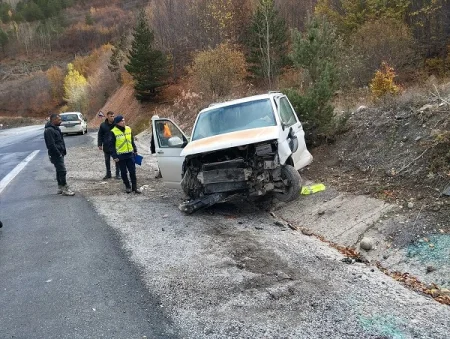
{"points": [[63, 272]]}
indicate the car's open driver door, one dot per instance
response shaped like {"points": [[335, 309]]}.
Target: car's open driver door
{"points": [[169, 141]]}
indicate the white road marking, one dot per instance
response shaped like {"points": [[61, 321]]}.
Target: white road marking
{"points": [[11, 175]]}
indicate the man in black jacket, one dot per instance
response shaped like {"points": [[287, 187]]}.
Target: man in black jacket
{"points": [[103, 143], [56, 151]]}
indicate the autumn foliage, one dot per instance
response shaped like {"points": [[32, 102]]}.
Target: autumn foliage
{"points": [[383, 82], [216, 71], [75, 89]]}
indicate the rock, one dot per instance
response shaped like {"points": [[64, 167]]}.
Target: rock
{"points": [[259, 227], [360, 109], [279, 223], [282, 276], [430, 269], [425, 108], [306, 231], [446, 191], [410, 205], [321, 212], [366, 244]]}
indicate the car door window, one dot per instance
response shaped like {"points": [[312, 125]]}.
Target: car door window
{"points": [[165, 130], [287, 114]]}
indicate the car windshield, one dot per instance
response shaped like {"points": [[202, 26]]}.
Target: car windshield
{"points": [[69, 117], [238, 117]]}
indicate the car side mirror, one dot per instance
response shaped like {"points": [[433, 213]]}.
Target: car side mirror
{"points": [[175, 142]]}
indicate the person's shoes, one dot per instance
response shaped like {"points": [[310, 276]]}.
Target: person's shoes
{"points": [[118, 177], [108, 176], [60, 189], [67, 191], [137, 191], [128, 190]]}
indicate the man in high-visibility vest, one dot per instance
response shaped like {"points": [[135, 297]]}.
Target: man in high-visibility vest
{"points": [[123, 151]]}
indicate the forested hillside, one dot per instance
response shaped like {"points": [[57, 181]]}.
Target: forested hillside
{"points": [[73, 54]]}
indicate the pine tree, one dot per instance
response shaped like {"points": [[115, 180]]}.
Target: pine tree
{"points": [[316, 53], [147, 65], [267, 42]]}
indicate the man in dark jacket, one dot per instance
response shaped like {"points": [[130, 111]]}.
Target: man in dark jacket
{"points": [[103, 142], [56, 151], [123, 151]]}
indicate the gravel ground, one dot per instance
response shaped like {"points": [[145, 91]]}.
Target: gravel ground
{"points": [[231, 272]]}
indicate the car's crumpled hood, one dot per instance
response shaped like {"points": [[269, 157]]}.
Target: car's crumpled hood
{"points": [[233, 139]]}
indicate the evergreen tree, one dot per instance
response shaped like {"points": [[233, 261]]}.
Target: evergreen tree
{"points": [[316, 53], [147, 65], [267, 42]]}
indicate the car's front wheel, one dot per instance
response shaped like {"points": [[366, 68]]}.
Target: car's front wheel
{"points": [[291, 184], [191, 186]]}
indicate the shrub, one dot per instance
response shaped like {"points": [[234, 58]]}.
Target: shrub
{"points": [[216, 71], [55, 76], [377, 41], [383, 82]]}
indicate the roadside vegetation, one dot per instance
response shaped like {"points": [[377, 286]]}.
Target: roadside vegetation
{"points": [[179, 56]]}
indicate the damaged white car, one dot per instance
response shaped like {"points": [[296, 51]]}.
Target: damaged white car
{"points": [[251, 146]]}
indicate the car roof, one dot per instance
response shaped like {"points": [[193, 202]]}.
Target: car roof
{"points": [[269, 95], [65, 113]]}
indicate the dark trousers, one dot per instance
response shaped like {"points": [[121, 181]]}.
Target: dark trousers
{"points": [[108, 164], [60, 170], [128, 164]]}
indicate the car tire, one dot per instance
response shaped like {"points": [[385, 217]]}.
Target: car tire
{"points": [[292, 188]]}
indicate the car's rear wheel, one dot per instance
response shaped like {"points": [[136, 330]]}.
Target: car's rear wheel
{"points": [[291, 180]]}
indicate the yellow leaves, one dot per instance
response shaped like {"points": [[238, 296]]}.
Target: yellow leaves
{"points": [[75, 88], [383, 82]]}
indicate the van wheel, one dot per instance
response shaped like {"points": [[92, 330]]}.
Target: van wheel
{"points": [[191, 186], [291, 179]]}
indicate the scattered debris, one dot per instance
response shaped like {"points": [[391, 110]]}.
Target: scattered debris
{"points": [[292, 227], [310, 189], [321, 212], [348, 260], [438, 294], [279, 223]]}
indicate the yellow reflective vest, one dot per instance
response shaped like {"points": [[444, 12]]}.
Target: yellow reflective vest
{"points": [[123, 140]]}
